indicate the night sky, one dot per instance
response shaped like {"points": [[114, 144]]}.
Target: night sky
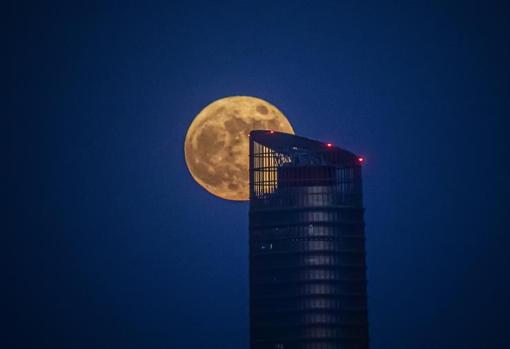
{"points": [[111, 244]]}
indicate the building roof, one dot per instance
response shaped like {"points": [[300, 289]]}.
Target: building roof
{"points": [[292, 145]]}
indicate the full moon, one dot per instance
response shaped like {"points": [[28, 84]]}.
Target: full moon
{"points": [[216, 146]]}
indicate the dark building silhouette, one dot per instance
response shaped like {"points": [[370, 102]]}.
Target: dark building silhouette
{"points": [[307, 245]]}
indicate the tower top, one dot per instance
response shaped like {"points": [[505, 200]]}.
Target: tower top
{"points": [[301, 150]]}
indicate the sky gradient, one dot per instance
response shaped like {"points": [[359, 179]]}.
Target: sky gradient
{"points": [[111, 244]]}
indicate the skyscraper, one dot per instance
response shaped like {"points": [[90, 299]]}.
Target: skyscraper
{"points": [[307, 245]]}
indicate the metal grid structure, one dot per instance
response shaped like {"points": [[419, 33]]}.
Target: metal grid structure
{"points": [[307, 245]]}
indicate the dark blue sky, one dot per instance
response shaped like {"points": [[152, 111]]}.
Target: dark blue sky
{"points": [[110, 242]]}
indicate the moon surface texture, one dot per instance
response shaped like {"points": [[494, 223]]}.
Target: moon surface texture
{"points": [[217, 143]]}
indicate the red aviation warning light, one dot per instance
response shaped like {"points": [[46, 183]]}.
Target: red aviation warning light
{"points": [[329, 145], [361, 160]]}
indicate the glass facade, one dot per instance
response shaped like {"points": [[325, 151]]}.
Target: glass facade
{"points": [[307, 245]]}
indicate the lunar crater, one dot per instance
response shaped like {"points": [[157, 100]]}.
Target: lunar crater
{"points": [[262, 109]]}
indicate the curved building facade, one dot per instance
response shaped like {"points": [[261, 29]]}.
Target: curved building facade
{"points": [[307, 245]]}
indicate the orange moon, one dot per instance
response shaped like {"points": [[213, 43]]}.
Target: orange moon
{"points": [[216, 148]]}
